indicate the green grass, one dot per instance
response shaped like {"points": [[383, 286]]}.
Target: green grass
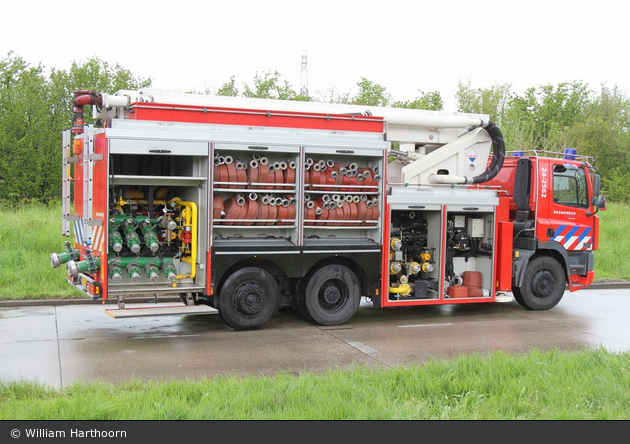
{"points": [[28, 235], [551, 385], [611, 259]]}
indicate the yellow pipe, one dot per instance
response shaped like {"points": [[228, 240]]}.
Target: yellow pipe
{"points": [[122, 201], [402, 289], [189, 214]]}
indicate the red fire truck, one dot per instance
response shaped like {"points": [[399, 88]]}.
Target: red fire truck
{"points": [[243, 206]]}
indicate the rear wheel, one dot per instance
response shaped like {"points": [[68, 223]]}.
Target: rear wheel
{"points": [[332, 295], [249, 299], [543, 284], [298, 301]]}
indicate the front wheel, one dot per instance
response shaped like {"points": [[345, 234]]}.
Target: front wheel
{"points": [[543, 284], [332, 295], [249, 299]]}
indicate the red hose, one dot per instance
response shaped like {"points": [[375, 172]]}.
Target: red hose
{"points": [[217, 207]]}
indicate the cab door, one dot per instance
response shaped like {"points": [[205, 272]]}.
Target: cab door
{"points": [[568, 222]]}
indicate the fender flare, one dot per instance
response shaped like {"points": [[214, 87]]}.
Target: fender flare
{"points": [[550, 248]]}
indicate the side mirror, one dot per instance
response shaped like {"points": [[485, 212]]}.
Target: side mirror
{"points": [[601, 202], [596, 185]]}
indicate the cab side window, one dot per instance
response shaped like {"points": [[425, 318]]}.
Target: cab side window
{"points": [[569, 186]]}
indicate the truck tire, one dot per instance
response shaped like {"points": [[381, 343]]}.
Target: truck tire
{"points": [[298, 302], [249, 299], [332, 295], [544, 283]]}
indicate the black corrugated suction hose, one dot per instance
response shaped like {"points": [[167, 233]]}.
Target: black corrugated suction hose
{"points": [[498, 154]]}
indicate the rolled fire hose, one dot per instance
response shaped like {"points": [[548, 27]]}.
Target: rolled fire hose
{"points": [[375, 211], [361, 210], [271, 177], [263, 211], [289, 174], [345, 206], [273, 211], [241, 174], [321, 214], [308, 165], [253, 173], [354, 211], [231, 169], [376, 179], [347, 179], [369, 211], [283, 212], [263, 175], [252, 210], [279, 175], [309, 212], [220, 170], [307, 176], [367, 175], [292, 209], [316, 174], [234, 208], [338, 180], [217, 207]]}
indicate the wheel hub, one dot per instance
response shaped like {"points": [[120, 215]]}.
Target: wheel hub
{"points": [[250, 298], [543, 283], [331, 294]]}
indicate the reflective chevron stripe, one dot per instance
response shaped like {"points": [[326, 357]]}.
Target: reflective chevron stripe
{"points": [[573, 237], [98, 236]]}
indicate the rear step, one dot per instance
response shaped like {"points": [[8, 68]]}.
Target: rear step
{"points": [[161, 311]]}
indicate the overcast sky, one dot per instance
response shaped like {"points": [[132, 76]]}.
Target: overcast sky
{"points": [[404, 46]]}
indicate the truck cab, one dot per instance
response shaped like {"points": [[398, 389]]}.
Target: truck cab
{"points": [[553, 205]]}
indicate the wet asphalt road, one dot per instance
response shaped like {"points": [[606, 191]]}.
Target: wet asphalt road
{"points": [[61, 344]]}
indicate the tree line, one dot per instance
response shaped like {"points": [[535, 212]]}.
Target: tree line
{"points": [[36, 106]]}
